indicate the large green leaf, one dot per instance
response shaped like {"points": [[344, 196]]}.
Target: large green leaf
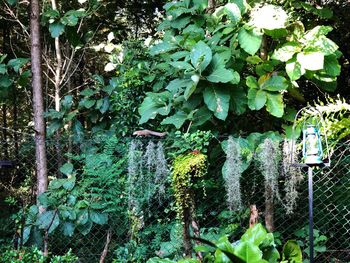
{"points": [[201, 116], [162, 47], [99, 217], [178, 119], [67, 169], [220, 59], [294, 69], [201, 56], [324, 45], [255, 235], [5, 81], [249, 252], [238, 101], [287, 51], [331, 66], [224, 75], [311, 61], [292, 252], [17, 63], [48, 220], [218, 101], [154, 104], [275, 104], [260, 99], [275, 83], [190, 88], [68, 229], [176, 86], [183, 65], [56, 29], [250, 40], [82, 217]]}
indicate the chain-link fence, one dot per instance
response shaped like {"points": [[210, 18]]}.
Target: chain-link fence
{"points": [[114, 200]]}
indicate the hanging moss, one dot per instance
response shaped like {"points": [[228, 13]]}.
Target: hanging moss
{"points": [[186, 168]]}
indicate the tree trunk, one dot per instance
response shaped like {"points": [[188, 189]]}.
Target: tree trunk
{"points": [[38, 104], [58, 74], [269, 209], [186, 231], [4, 131]]}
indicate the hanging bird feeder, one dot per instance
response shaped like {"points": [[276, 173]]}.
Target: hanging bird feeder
{"points": [[313, 155]]}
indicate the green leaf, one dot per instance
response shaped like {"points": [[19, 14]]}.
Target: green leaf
{"points": [[88, 103], [275, 105], [260, 99], [11, 2], [233, 12], [331, 66], [17, 63], [56, 29], [161, 48], [249, 252], [85, 229], [201, 55], [275, 83], [218, 100], [181, 65], [98, 217], [294, 69], [180, 22], [176, 86], [324, 45], [55, 184], [105, 105], [154, 104], [67, 169], [255, 235], [201, 116], [190, 88], [250, 40], [251, 82], [316, 32], [87, 92], [224, 76], [3, 69], [220, 59], [71, 18], [178, 119], [68, 229], [311, 61], [48, 220], [287, 51], [69, 183], [292, 252], [83, 217], [238, 101], [220, 257], [251, 98], [5, 81]]}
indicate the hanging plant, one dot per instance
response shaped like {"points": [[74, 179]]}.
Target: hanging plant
{"points": [[186, 168], [232, 173], [293, 177]]}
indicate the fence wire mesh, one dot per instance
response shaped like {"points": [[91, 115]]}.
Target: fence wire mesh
{"points": [[103, 213]]}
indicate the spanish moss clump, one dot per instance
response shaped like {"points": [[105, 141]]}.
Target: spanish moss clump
{"points": [[269, 158], [293, 177], [232, 175], [134, 167], [162, 171], [147, 182]]}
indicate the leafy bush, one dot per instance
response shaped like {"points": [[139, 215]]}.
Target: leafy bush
{"points": [[255, 246]]}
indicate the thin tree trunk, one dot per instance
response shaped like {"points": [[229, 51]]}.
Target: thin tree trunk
{"points": [[58, 74], [186, 232], [38, 104], [4, 130], [105, 249]]}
